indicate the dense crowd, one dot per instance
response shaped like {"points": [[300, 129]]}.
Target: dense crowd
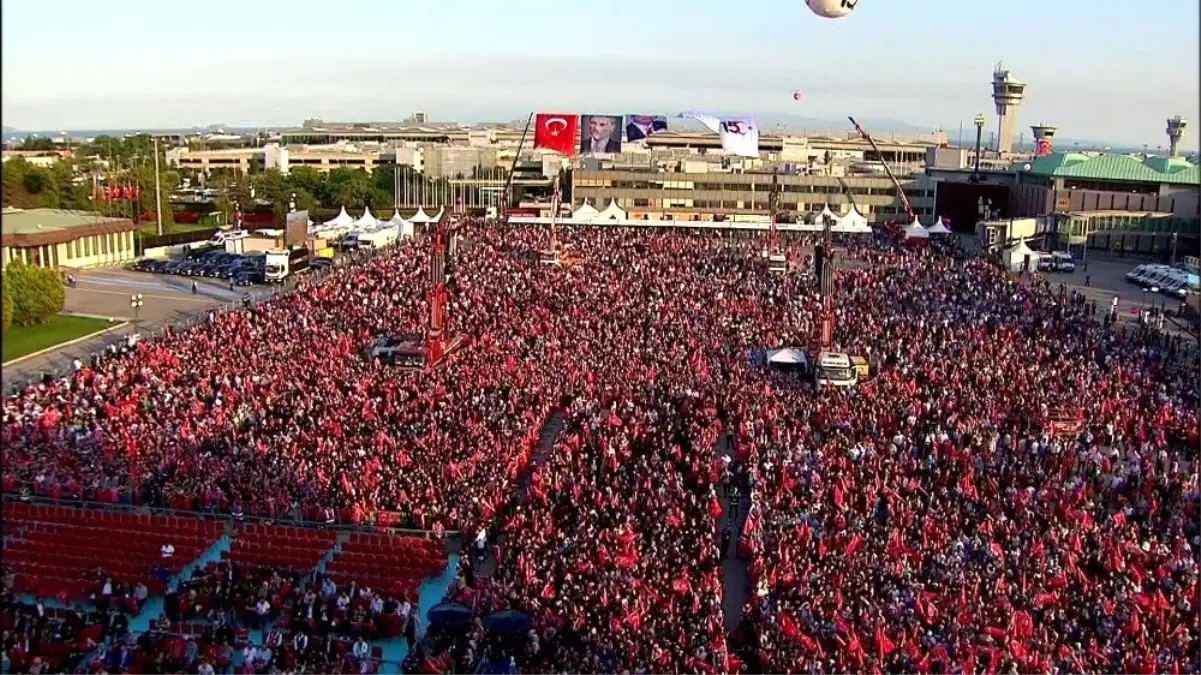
{"points": [[1011, 491]]}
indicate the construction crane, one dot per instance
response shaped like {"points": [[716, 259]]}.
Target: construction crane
{"points": [[777, 261], [887, 169], [557, 254]]}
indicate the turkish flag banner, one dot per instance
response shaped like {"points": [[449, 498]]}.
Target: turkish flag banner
{"points": [[556, 131]]}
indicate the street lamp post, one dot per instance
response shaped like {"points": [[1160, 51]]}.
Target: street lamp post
{"points": [[979, 122], [136, 302]]}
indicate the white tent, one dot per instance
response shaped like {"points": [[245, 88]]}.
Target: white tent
{"points": [[1015, 257], [826, 213], [341, 220], [437, 217], [403, 226], [853, 221], [788, 355], [916, 231], [612, 212], [367, 221], [938, 228], [420, 217], [585, 213]]}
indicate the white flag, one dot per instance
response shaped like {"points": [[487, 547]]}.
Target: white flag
{"points": [[739, 135]]}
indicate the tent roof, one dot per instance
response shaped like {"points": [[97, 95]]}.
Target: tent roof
{"points": [[1019, 249], [787, 355], [396, 218], [938, 228], [613, 211], [826, 212], [586, 210], [343, 218], [421, 216], [437, 217], [916, 231], [367, 220]]}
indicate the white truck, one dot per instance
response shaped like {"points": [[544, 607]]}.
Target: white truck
{"points": [[834, 369], [280, 264]]}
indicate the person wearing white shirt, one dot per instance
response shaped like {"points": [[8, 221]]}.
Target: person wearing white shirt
{"points": [[343, 601], [377, 605], [205, 669], [300, 642], [167, 550], [361, 650]]}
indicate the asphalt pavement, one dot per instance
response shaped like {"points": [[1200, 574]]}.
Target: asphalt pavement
{"points": [[107, 294]]}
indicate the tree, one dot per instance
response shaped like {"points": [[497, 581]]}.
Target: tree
{"points": [[37, 292], [6, 297]]}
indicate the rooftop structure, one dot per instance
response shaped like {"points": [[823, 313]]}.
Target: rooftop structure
{"points": [[1175, 131], [1043, 136], [1008, 93], [1116, 168]]}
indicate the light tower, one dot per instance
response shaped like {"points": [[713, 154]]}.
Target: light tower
{"points": [[1008, 94], [1176, 127], [1043, 136]]}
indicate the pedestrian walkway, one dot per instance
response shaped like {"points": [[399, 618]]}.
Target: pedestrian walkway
{"points": [[735, 577]]}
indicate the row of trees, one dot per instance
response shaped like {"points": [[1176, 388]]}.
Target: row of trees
{"points": [[109, 160], [71, 182], [31, 294]]}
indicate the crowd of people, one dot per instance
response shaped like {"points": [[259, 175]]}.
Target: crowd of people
{"points": [[1010, 491]]}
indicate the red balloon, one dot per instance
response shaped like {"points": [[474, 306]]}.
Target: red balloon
{"points": [[796, 95]]}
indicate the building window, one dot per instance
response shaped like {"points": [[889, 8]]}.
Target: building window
{"points": [[78, 250]]}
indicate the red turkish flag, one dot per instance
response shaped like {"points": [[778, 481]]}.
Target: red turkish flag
{"points": [[556, 131]]}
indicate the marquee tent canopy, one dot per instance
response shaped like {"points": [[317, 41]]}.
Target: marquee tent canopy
{"points": [[586, 212], [938, 228], [1017, 255], [612, 212], [853, 221], [916, 231], [420, 217], [342, 219], [366, 221]]}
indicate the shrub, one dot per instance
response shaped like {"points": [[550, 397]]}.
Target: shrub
{"points": [[37, 293]]}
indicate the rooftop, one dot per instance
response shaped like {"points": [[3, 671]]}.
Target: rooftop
{"points": [[36, 227], [1118, 168], [33, 221]]}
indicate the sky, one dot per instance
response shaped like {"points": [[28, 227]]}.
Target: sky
{"points": [[1110, 71]]}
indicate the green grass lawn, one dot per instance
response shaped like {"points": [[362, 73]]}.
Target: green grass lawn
{"points": [[22, 340]]}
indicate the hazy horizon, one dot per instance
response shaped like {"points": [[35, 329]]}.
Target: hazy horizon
{"points": [[475, 60]]}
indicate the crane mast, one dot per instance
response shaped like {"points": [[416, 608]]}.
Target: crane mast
{"points": [[887, 169]]}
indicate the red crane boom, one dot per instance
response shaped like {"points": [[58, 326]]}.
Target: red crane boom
{"points": [[887, 169]]}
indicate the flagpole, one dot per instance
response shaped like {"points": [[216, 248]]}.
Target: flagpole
{"points": [[504, 195], [158, 200]]}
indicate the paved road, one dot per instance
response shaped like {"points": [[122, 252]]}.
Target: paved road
{"points": [[106, 293], [1106, 277]]}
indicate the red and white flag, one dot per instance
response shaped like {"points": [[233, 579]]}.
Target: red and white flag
{"points": [[556, 131]]}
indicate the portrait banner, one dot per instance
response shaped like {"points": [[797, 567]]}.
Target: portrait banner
{"points": [[600, 134]]}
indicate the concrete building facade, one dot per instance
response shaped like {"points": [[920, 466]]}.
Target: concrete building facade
{"points": [[701, 195]]}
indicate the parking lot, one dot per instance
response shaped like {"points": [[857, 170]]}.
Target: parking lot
{"points": [[1106, 279]]}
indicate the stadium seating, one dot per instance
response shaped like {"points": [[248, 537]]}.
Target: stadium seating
{"points": [[66, 552], [391, 564], [296, 548]]}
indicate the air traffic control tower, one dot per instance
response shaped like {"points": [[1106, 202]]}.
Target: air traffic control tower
{"points": [[1008, 94], [1176, 127], [1044, 135]]}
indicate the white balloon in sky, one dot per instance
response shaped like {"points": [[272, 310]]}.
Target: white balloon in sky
{"points": [[831, 9]]}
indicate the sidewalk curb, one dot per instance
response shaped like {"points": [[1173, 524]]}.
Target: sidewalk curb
{"points": [[102, 317], [68, 343]]}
